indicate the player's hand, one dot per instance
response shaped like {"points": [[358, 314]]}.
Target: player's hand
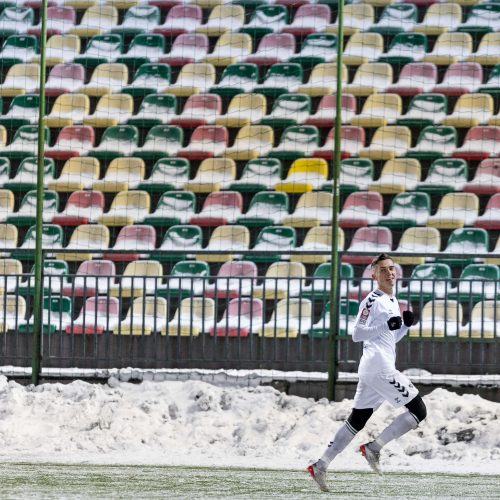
{"points": [[394, 323], [408, 318]]}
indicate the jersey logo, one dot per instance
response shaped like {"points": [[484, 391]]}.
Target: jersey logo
{"points": [[401, 388], [369, 302], [364, 315]]}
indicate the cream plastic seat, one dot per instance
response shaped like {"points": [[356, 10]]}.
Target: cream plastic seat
{"points": [[313, 209], [318, 239], [20, 79], [146, 316], [440, 318], [292, 317], [398, 176], [370, 78], [440, 18], [357, 17], [420, 241], [96, 20], [388, 143], [379, 110], [363, 48], [213, 174], [106, 79], [127, 207], [6, 204], [471, 110], [60, 49], [252, 141], [68, 109], [243, 110], [226, 238], [122, 174], [223, 19], [450, 48], [77, 173], [455, 210], [90, 239], [195, 315], [484, 322], [230, 48], [194, 78], [111, 110], [282, 280], [488, 52], [12, 312], [139, 278], [323, 80]]}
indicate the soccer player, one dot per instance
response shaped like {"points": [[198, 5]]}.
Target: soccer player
{"points": [[379, 326]]}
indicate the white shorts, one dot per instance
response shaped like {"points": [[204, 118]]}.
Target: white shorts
{"points": [[375, 388]]}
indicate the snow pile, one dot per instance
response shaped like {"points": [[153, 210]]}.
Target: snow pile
{"points": [[196, 423]]}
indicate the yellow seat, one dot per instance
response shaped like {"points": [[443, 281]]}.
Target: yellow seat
{"points": [[244, 109], [488, 52], [142, 277], [78, 173], [388, 143], [6, 203], [318, 238], [379, 110], [471, 110], [357, 17], [230, 238], [313, 209], [146, 315], [8, 236], [305, 174], [195, 315], [363, 48], [370, 78], [127, 207], [123, 4], [440, 18], [60, 49], [92, 239], [20, 79], [213, 174], [291, 318], [450, 48], [68, 109], [97, 20], [494, 260], [106, 79], [455, 210], [111, 110], [12, 312], [122, 174], [398, 176], [223, 18], [230, 49], [323, 80], [252, 141], [194, 78], [440, 318], [282, 280], [484, 322], [420, 241]]}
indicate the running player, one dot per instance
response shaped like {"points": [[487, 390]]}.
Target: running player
{"points": [[379, 326]]}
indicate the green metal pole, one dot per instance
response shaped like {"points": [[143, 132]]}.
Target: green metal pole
{"points": [[334, 293], [38, 297]]}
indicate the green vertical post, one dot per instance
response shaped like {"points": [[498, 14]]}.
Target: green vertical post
{"points": [[334, 292], [38, 296]]}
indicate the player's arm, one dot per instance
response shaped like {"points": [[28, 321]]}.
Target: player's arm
{"points": [[364, 328]]}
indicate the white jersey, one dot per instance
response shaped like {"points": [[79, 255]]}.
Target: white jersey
{"points": [[379, 343]]}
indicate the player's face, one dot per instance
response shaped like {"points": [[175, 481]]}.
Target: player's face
{"points": [[385, 275]]}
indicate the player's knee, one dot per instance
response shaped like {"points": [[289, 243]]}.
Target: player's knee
{"points": [[358, 418], [417, 408]]}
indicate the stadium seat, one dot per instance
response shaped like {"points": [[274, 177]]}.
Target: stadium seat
{"points": [[482, 18], [320, 286], [223, 19], [241, 318], [407, 210], [288, 109], [20, 79], [273, 49], [15, 20], [317, 239], [52, 239], [327, 109], [138, 19], [496, 252], [147, 315], [347, 318], [122, 174], [252, 141], [149, 78], [387, 143], [258, 175], [59, 20], [445, 176], [488, 52], [207, 141], [275, 243], [200, 109], [55, 279], [101, 49], [186, 279], [4, 170], [281, 78], [312, 209], [415, 79], [82, 207], [405, 48], [26, 214], [379, 110], [356, 18], [363, 48], [11, 271], [291, 318], [26, 175], [174, 207], [355, 175], [492, 85], [395, 19], [17, 49], [296, 142], [98, 315], [419, 241], [168, 174], [116, 142], [434, 142], [186, 49], [266, 19], [127, 207], [486, 179], [361, 209], [139, 278], [111, 110], [440, 18], [194, 78], [61, 49], [455, 210], [213, 175], [425, 109], [450, 48], [6, 206], [490, 218], [91, 239], [137, 239], [75, 140], [463, 243], [427, 282], [194, 316], [12, 312], [234, 279], [155, 109], [180, 19], [230, 48], [439, 318], [106, 79], [308, 19], [266, 208], [282, 280], [305, 174], [244, 109], [219, 208], [476, 282], [484, 322], [96, 20], [323, 80], [472, 110], [56, 316], [23, 110], [226, 238], [68, 109], [236, 79], [316, 48], [370, 78], [479, 143], [160, 141], [78, 173], [397, 176], [368, 239], [460, 78], [178, 241]]}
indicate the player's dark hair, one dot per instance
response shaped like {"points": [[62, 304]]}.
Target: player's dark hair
{"points": [[380, 258]]}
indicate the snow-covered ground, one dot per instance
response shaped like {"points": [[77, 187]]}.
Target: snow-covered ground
{"points": [[198, 423]]}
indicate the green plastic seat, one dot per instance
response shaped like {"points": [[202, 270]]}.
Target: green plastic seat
{"points": [[482, 18], [281, 78], [236, 79], [316, 48], [492, 85], [273, 241], [348, 313], [168, 174], [26, 175], [26, 215], [477, 282], [406, 48], [355, 175], [144, 48], [266, 19], [434, 142], [18, 49], [138, 19], [52, 239], [149, 79], [258, 175], [116, 142], [23, 110], [463, 243], [296, 142], [427, 282], [288, 109], [320, 287], [187, 279], [25, 142], [266, 208], [56, 315], [55, 277], [424, 110], [161, 141], [16, 20], [407, 210], [445, 176], [174, 207], [183, 238], [101, 49], [155, 109], [396, 18], [4, 170]]}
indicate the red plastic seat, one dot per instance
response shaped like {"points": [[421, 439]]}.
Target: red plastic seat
{"points": [[242, 317], [59, 21], [491, 217], [165, 5], [137, 238], [372, 239], [325, 114], [200, 109], [64, 79], [75, 140], [273, 48], [220, 208], [78, 207], [187, 48], [352, 139], [234, 278], [415, 78], [311, 18], [361, 209], [92, 277], [180, 19], [207, 141], [460, 78], [99, 314], [479, 143], [487, 178]]}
